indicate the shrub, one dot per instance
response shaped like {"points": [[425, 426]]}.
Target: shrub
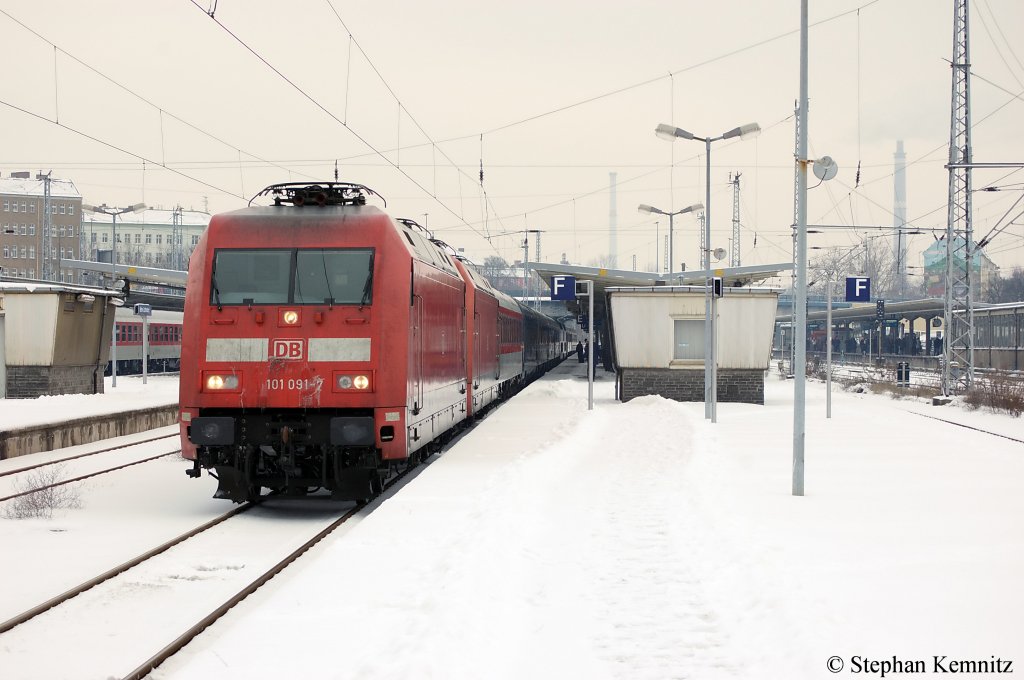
{"points": [[44, 498], [999, 393]]}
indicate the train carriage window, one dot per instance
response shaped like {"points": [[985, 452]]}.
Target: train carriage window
{"points": [[341, 277]]}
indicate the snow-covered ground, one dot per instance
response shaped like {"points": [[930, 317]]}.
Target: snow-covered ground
{"points": [[634, 541], [129, 395]]}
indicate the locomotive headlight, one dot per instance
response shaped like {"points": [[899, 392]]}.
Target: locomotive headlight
{"points": [[290, 317], [344, 382], [217, 382]]}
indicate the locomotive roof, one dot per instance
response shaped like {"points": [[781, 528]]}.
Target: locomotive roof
{"points": [[291, 211], [421, 246]]}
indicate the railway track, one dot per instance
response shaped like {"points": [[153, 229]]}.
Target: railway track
{"points": [[58, 461], [30, 614], [79, 478], [194, 631], [155, 595], [969, 427]]}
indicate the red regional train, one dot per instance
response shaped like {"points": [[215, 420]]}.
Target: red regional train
{"points": [[164, 342], [327, 344]]}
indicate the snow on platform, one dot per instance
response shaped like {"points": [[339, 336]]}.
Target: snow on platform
{"points": [[640, 541], [129, 395]]}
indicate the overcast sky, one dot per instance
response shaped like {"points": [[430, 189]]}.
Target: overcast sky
{"points": [[158, 102]]}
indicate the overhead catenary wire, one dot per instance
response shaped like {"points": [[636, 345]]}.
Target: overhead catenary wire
{"points": [[315, 102], [57, 49], [107, 144]]}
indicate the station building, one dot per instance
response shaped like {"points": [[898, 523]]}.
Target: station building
{"points": [[33, 246]]}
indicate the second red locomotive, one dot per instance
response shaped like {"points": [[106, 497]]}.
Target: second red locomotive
{"points": [[326, 343]]}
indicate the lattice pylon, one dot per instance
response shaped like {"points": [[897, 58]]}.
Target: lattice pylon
{"points": [[958, 348]]}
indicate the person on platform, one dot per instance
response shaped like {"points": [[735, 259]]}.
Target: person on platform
{"points": [[579, 351]]}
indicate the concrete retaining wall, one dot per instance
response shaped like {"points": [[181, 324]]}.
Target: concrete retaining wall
{"points": [[737, 385], [26, 440], [28, 382]]}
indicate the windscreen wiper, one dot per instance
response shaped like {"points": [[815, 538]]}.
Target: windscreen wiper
{"points": [[368, 286], [216, 291]]}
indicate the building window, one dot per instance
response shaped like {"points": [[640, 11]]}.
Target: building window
{"points": [[688, 339], [31, 230], [14, 206], [24, 230], [32, 205], [92, 237], [31, 252], [24, 207], [7, 205], [149, 238], [104, 238], [31, 273], [62, 231], [71, 208], [195, 240], [159, 239], [53, 253], [62, 208], [63, 255], [7, 252], [24, 252], [53, 209], [71, 231], [138, 238]]}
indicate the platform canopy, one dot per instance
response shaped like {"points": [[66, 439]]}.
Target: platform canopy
{"points": [[733, 277]]}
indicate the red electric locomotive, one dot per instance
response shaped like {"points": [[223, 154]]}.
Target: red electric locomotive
{"points": [[326, 343]]}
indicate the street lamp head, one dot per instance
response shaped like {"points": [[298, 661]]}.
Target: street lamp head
{"points": [[103, 209], [748, 131], [696, 207], [644, 208], [670, 132]]}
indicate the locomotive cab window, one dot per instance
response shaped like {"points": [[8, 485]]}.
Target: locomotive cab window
{"points": [[292, 276], [341, 277]]}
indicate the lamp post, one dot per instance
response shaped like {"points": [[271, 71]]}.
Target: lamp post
{"points": [[114, 212], [671, 133], [655, 211]]}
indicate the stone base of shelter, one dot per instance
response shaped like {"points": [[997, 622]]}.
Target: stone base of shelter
{"points": [[28, 382], [686, 384]]}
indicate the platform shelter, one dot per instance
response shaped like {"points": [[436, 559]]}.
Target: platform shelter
{"points": [[56, 338], [658, 341]]}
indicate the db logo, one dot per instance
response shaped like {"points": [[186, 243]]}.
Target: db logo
{"points": [[287, 349]]}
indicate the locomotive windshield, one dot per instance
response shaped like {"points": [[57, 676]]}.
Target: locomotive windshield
{"points": [[292, 276]]}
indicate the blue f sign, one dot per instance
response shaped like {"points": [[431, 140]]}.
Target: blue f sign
{"points": [[563, 287], [858, 289]]}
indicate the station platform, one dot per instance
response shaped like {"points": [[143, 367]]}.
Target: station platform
{"points": [[58, 421]]}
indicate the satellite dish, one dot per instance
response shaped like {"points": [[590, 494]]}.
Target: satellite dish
{"points": [[719, 253], [825, 168]]}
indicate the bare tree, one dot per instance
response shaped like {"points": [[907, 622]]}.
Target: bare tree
{"points": [[871, 259], [47, 494], [600, 261], [1006, 289]]}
